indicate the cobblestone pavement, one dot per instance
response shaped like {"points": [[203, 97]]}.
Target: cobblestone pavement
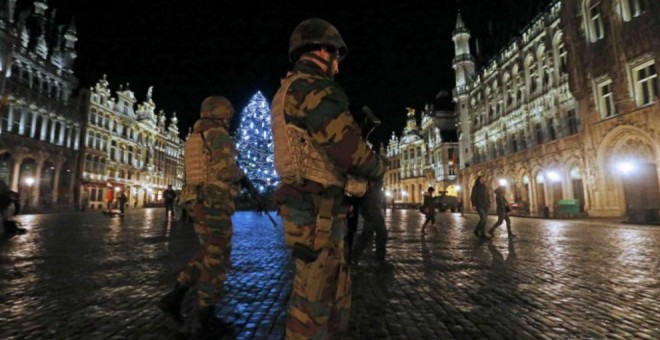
{"points": [[89, 276]]}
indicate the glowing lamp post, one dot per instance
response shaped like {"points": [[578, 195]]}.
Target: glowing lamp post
{"points": [[553, 176], [503, 182], [625, 167]]}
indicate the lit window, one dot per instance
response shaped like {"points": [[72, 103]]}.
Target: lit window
{"points": [[533, 77], [646, 83], [633, 8], [597, 30], [606, 99], [563, 62]]}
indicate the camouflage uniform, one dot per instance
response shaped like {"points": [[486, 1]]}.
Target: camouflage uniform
{"points": [[211, 214], [212, 178], [320, 300]]}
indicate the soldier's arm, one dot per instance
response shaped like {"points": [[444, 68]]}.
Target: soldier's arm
{"points": [[223, 156], [333, 127]]}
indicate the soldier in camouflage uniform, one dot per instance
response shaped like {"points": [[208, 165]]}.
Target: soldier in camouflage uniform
{"points": [[314, 213], [212, 183]]}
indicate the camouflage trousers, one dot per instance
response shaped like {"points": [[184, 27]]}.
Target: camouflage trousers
{"points": [[207, 270], [321, 298]]}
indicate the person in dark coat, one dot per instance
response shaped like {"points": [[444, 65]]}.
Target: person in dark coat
{"points": [[428, 208], [8, 198], [170, 197], [481, 201], [502, 212], [122, 202]]}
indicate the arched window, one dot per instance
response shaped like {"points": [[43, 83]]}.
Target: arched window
{"points": [[532, 74], [593, 20], [560, 56]]}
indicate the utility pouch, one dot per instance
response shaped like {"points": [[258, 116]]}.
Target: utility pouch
{"points": [[305, 253], [355, 186], [319, 278]]}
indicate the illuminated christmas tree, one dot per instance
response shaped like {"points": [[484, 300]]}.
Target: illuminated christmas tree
{"points": [[254, 143]]}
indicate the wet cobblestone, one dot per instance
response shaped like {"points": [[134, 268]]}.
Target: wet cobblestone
{"points": [[90, 276]]}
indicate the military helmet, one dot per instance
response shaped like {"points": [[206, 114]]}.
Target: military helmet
{"points": [[315, 32], [216, 107]]}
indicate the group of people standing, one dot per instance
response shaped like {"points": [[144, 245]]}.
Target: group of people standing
{"points": [[320, 156]]}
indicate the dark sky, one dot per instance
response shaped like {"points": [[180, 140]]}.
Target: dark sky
{"points": [[399, 51]]}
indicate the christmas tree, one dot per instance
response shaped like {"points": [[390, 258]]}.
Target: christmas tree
{"points": [[254, 141]]}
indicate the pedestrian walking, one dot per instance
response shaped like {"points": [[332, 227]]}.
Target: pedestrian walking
{"points": [[319, 154], [428, 209], [461, 207], [212, 183], [122, 202], [481, 201], [503, 210], [170, 196], [7, 199]]}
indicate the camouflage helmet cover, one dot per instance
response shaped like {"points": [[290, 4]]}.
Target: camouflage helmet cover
{"points": [[216, 107], [312, 32]]}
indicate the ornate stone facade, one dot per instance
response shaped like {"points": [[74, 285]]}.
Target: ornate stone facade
{"points": [[421, 158], [568, 110], [127, 148], [40, 127]]}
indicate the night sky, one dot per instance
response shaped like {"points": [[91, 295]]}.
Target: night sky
{"points": [[399, 51]]}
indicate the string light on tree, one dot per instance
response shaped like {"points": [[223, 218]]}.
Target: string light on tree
{"points": [[254, 141]]}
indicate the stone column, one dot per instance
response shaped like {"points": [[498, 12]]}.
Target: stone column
{"points": [[16, 174], [76, 141], [37, 184], [69, 136], [44, 128], [52, 130], [10, 118], [62, 133], [56, 184], [21, 123], [533, 206], [33, 128]]}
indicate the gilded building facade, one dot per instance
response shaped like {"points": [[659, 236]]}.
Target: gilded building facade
{"points": [[40, 124], [127, 147], [567, 110], [422, 157]]}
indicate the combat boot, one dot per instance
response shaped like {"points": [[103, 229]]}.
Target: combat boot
{"points": [[205, 324], [170, 304]]}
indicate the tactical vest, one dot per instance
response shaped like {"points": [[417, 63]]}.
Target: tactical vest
{"points": [[298, 156], [196, 160]]}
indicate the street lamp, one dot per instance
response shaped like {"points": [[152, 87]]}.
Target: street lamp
{"points": [[503, 182], [626, 167], [554, 176], [458, 188]]}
